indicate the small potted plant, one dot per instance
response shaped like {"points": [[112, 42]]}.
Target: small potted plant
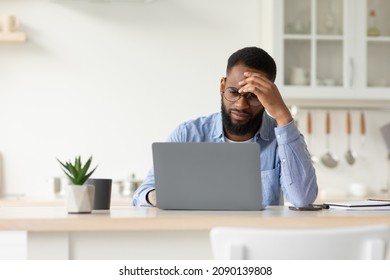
{"points": [[79, 197]]}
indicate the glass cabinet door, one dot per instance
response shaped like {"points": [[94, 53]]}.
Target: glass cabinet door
{"points": [[329, 43], [377, 38], [313, 42], [297, 42]]}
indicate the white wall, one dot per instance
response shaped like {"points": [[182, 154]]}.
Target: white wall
{"points": [[108, 79]]}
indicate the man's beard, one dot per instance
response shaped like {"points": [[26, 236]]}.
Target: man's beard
{"points": [[251, 126]]}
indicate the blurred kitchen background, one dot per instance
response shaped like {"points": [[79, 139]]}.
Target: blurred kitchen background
{"points": [[109, 77]]}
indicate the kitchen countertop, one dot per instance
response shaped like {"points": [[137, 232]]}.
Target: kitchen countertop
{"points": [[127, 218], [39, 201]]}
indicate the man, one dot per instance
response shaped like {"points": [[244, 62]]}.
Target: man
{"points": [[252, 110]]}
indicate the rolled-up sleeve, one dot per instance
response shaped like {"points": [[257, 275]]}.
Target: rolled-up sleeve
{"points": [[139, 197], [298, 177]]}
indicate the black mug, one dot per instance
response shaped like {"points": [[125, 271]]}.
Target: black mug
{"points": [[102, 199]]}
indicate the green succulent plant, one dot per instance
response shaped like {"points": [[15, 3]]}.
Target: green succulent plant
{"points": [[77, 172]]}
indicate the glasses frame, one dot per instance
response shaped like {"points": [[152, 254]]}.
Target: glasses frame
{"points": [[246, 95]]}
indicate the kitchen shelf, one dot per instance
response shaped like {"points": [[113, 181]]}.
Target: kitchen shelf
{"points": [[13, 37], [378, 39], [342, 108]]}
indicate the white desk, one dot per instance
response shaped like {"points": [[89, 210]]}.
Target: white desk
{"points": [[149, 233]]}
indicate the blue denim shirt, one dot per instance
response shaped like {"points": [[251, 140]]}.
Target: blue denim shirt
{"points": [[285, 160]]}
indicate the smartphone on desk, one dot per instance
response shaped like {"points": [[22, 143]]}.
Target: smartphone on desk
{"points": [[311, 207]]}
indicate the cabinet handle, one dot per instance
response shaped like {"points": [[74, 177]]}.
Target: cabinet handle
{"points": [[352, 72]]}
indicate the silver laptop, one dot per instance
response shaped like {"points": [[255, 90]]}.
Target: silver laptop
{"points": [[207, 176]]}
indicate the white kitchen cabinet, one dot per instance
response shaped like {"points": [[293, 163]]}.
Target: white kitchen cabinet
{"points": [[324, 51]]}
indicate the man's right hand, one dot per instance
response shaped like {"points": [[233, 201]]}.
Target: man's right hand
{"points": [[151, 197]]}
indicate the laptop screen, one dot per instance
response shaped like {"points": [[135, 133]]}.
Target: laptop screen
{"points": [[207, 176]]}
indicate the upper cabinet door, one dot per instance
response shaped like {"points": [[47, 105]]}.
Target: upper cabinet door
{"points": [[331, 49], [376, 41]]}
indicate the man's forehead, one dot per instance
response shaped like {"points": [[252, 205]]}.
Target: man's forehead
{"points": [[237, 72], [241, 68]]}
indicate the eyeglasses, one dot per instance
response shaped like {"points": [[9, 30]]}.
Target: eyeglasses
{"points": [[231, 94]]}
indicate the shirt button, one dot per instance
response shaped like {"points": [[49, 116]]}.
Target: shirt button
{"points": [[278, 135], [284, 160]]}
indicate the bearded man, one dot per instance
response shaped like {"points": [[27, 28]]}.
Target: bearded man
{"points": [[252, 110]]}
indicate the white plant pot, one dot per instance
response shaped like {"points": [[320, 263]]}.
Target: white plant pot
{"points": [[79, 198]]}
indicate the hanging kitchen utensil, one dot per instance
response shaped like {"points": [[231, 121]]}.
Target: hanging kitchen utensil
{"points": [[328, 159], [362, 128], [350, 157], [309, 127]]}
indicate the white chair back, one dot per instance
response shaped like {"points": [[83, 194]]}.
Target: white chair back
{"points": [[361, 242]]}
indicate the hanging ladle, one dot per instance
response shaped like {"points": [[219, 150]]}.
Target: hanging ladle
{"points": [[328, 159], [349, 155]]}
